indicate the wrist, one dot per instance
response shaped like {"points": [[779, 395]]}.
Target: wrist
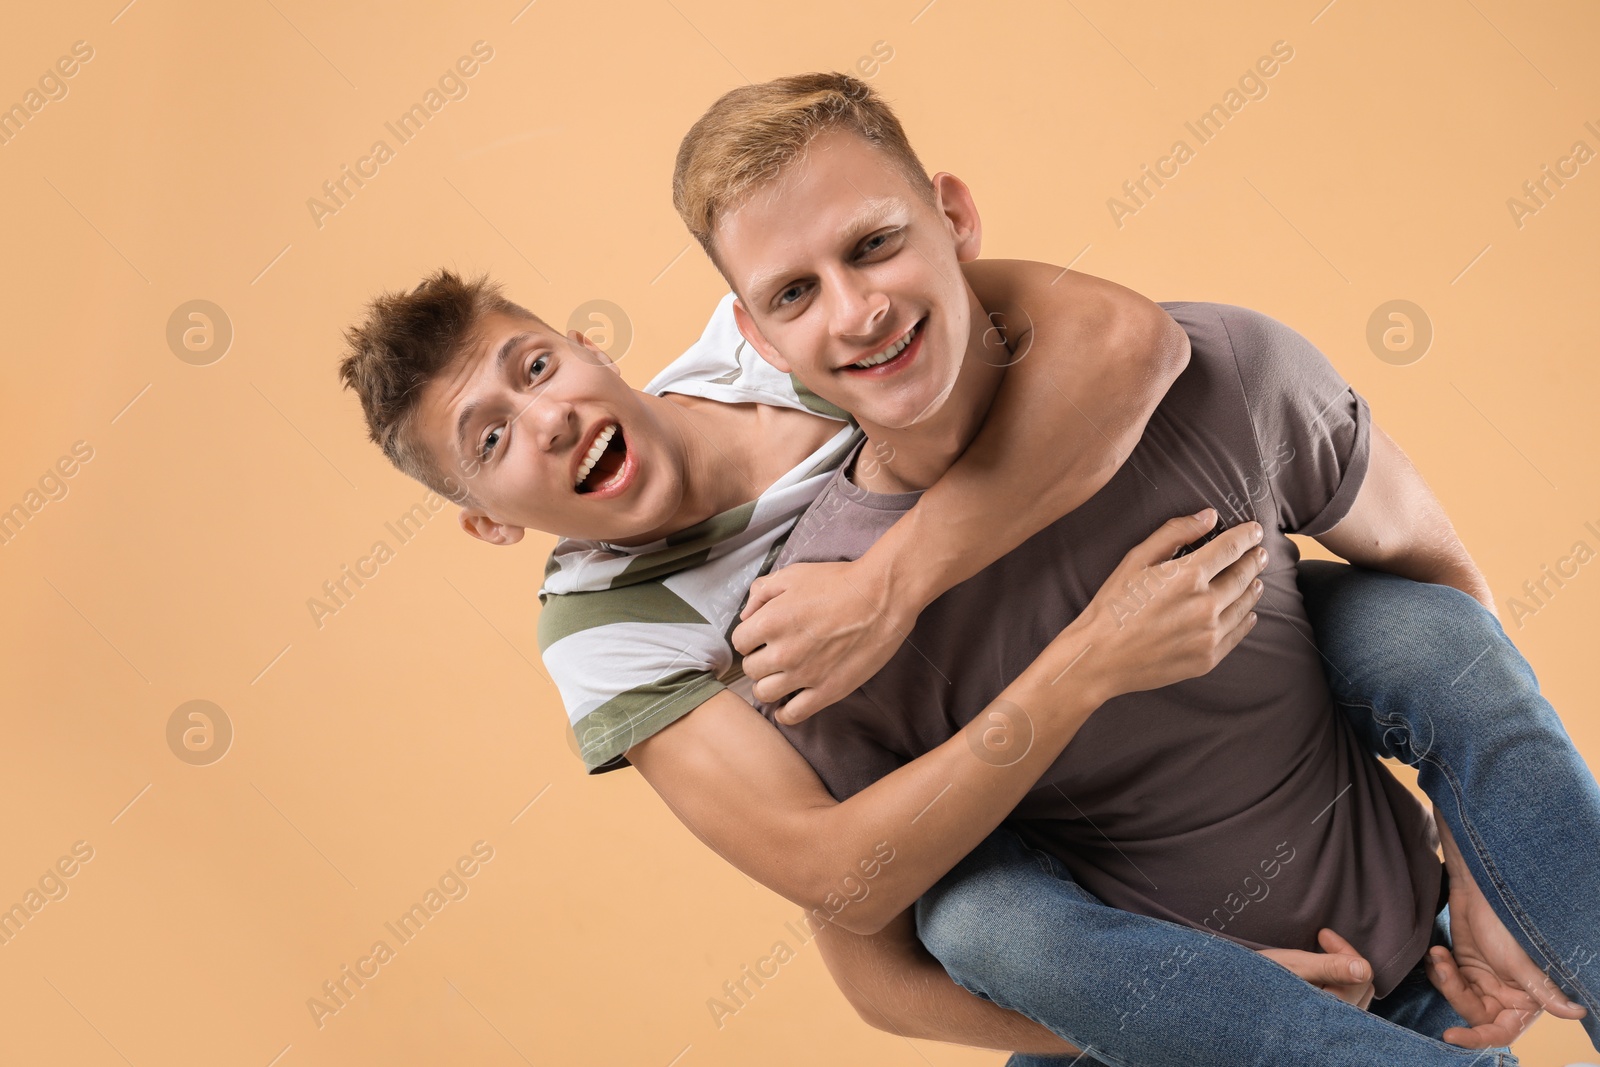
{"points": [[894, 585], [1070, 676]]}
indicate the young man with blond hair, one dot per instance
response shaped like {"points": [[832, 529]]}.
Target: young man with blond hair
{"points": [[808, 197]]}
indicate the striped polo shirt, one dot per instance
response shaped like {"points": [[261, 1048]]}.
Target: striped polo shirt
{"points": [[636, 637]]}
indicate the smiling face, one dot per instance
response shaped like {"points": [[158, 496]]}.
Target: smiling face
{"points": [[546, 435], [849, 277]]}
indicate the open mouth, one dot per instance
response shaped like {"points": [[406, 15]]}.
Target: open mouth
{"points": [[900, 351], [604, 465]]}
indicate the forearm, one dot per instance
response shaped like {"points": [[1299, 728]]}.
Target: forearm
{"points": [[739, 785], [897, 986], [1090, 361], [936, 809], [1431, 552], [1465, 576]]}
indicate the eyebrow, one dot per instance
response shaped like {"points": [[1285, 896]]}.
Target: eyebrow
{"points": [[871, 214], [506, 349]]}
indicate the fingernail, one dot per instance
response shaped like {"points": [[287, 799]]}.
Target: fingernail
{"points": [[1358, 970]]}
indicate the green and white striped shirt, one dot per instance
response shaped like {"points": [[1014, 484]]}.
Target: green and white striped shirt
{"points": [[637, 637]]}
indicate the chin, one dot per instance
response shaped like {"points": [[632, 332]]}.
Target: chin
{"points": [[929, 400]]}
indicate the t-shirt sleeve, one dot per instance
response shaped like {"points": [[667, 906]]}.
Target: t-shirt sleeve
{"points": [[1313, 431], [628, 662]]}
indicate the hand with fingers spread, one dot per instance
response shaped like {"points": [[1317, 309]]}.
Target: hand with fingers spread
{"points": [[1338, 969], [1158, 620], [1488, 979]]}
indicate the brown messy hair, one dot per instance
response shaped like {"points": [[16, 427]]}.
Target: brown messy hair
{"points": [[407, 340], [751, 134]]}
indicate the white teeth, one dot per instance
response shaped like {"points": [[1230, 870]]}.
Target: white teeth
{"points": [[596, 450], [888, 353]]}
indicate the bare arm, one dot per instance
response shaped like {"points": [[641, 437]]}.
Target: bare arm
{"points": [[1398, 525], [734, 781], [895, 985], [1089, 360], [732, 778]]}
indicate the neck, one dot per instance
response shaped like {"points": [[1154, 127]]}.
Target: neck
{"points": [[914, 457], [711, 436]]}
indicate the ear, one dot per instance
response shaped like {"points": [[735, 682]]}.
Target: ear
{"points": [[594, 353], [477, 523], [954, 201], [757, 339]]}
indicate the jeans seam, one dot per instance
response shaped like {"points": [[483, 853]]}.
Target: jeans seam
{"points": [[1523, 919]]}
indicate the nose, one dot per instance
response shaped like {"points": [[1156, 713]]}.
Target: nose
{"points": [[551, 421], [859, 307]]}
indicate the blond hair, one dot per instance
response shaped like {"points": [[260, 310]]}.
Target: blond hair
{"points": [[751, 134]]}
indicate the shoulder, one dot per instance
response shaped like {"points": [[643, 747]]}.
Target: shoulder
{"points": [[1272, 360], [1244, 333], [1231, 329], [721, 365]]}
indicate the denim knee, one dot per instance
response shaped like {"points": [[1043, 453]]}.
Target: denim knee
{"points": [[1377, 609], [985, 912], [956, 921]]}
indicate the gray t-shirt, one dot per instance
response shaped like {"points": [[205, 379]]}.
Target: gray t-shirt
{"points": [[1239, 802]]}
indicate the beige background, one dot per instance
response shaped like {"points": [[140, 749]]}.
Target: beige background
{"points": [[373, 751]]}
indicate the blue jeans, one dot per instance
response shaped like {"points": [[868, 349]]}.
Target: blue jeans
{"points": [[1425, 675]]}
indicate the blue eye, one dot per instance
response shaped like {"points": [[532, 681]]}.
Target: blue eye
{"points": [[783, 297], [488, 444]]}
